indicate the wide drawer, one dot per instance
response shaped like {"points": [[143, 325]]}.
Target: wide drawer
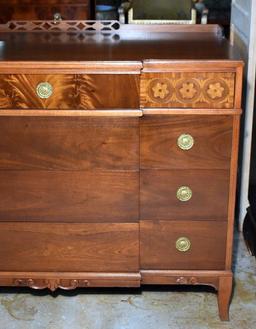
{"points": [[69, 196], [69, 143], [173, 245], [44, 10], [184, 194], [63, 247], [186, 142], [69, 91], [23, 12], [188, 90]]}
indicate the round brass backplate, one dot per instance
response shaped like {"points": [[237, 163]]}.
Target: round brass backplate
{"points": [[184, 193], [183, 244], [44, 90], [185, 142]]}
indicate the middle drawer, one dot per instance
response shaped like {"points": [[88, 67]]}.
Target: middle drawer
{"points": [[184, 194]]}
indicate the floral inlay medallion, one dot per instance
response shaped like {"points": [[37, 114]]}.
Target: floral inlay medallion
{"points": [[160, 90], [188, 90], [215, 90]]}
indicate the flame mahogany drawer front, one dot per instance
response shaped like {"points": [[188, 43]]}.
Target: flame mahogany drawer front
{"points": [[69, 91], [182, 245], [188, 90], [69, 247], [186, 142]]}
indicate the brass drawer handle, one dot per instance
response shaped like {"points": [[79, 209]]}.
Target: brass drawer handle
{"points": [[185, 142], [44, 90], [184, 193], [57, 17], [183, 244]]}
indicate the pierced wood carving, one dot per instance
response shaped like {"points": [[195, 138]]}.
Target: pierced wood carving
{"points": [[51, 284], [201, 90], [187, 280], [61, 26]]}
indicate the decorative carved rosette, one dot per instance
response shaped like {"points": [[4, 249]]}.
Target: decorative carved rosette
{"points": [[187, 280]]}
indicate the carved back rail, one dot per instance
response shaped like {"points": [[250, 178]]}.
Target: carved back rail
{"points": [[103, 27], [61, 26]]}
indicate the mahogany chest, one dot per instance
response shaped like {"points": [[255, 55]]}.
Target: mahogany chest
{"points": [[46, 10], [118, 155]]}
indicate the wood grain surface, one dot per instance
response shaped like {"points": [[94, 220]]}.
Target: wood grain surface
{"points": [[188, 90], [212, 142], [69, 196], [69, 143], [44, 10], [70, 91], [209, 201], [69, 247], [158, 245]]}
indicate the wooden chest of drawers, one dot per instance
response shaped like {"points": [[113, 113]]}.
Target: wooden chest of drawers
{"points": [[45, 9], [118, 159]]}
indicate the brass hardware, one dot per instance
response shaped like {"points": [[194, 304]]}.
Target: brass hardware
{"points": [[185, 142], [57, 17], [183, 244], [184, 193], [44, 90]]}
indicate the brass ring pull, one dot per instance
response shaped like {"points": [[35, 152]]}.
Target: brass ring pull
{"points": [[184, 193], [44, 90], [185, 142], [57, 17], [183, 244]]}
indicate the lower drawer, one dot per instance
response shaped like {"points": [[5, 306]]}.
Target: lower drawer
{"points": [[185, 245], [69, 247]]}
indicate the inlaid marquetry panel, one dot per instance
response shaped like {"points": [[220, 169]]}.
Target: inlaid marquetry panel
{"points": [[70, 91], [188, 90]]}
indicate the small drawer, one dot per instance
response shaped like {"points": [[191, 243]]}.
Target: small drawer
{"points": [[69, 247], [186, 142], [69, 91], [184, 194], [186, 245], [188, 90]]}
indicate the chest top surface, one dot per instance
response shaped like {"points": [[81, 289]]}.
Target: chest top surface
{"points": [[81, 41]]}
